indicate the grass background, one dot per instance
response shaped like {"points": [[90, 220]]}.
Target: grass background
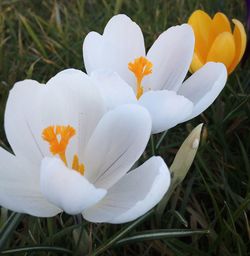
{"points": [[40, 38]]}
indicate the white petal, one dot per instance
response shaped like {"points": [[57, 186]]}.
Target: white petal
{"points": [[79, 102], [204, 86], [19, 116], [171, 55], [133, 195], [121, 42], [68, 76], [67, 188], [167, 109], [69, 98], [20, 189], [117, 142], [114, 90]]}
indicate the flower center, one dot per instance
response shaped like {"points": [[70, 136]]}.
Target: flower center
{"points": [[58, 138], [140, 67]]}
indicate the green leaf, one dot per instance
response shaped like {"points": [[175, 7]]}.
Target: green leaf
{"points": [[160, 234], [33, 35], [120, 234], [37, 249], [81, 239], [8, 228]]}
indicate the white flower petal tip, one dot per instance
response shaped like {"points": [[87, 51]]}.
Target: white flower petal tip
{"points": [[70, 71], [66, 188], [132, 196], [68, 76], [114, 90], [184, 30], [204, 86], [167, 109], [188, 29], [114, 49], [171, 55], [119, 21]]}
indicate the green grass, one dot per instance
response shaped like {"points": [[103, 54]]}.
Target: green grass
{"points": [[40, 38]]}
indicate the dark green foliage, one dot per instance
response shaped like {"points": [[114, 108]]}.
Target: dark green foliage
{"points": [[40, 38]]}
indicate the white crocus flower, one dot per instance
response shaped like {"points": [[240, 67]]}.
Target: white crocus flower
{"points": [[72, 156], [156, 77]]}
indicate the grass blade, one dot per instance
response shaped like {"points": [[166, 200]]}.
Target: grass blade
{"points": [[37, 249], [9, 227], [118, 236], [33, 35], [160, 234]]}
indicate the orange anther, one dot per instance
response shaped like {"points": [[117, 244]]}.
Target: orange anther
{"points": [[58, 137], [140, 67]]}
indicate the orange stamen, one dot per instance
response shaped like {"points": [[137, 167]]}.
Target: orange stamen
{"points": [[76, 166], [140, 67], [58, 137]]}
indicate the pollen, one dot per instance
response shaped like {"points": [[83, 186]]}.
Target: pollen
{"points": [[77, 166], [141, 67], [58, 137]]}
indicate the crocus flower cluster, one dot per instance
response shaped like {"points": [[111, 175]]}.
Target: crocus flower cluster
{"points": [[76, 138]]}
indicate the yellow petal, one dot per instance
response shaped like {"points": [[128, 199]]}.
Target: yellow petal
{"points": [[201, 24], [196, 63], [220, 24], [222, 49], [240, 40]]}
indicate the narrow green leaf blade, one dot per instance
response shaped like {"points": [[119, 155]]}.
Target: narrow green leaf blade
{"points": [[9, 227], [160, 234]]}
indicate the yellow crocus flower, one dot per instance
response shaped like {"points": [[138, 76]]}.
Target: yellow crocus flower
{"points": [[215, 40]]}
